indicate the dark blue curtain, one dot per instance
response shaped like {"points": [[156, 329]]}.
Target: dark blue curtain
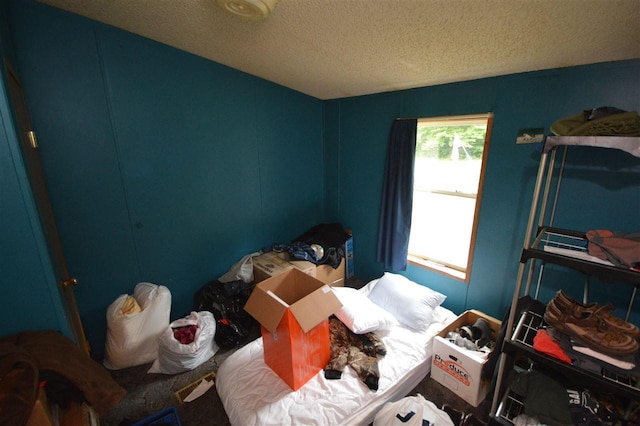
{"points": [[397, 196]]}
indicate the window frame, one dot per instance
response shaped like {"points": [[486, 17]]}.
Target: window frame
{"points": [[440, 267]]}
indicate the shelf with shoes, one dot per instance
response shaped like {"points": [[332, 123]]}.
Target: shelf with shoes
{"points": [[610, 379], [546, 244], [521, 343]]}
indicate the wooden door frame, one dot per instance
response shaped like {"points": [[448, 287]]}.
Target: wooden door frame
{"points": [[64, 282]]}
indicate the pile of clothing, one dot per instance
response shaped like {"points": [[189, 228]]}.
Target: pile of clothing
{"points": [[321, 244], [359, 351], [602, 121], [548, 401], [619, 248]]}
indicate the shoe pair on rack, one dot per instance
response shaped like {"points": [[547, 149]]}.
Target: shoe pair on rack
{"points": [[592, 325]]}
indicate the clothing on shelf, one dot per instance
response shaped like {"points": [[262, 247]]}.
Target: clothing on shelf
{"points": [[546, 344], [621, 249]]}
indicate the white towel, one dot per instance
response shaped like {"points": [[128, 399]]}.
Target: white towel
{"points": [[602, 357]]}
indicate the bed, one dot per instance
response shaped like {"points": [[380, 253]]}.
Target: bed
{"points": [[411, 315]]}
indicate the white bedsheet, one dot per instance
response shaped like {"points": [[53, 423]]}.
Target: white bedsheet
{"points": [[252, 394]]}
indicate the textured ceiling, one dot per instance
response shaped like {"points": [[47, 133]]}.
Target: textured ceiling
{"points": [[337, 48]]}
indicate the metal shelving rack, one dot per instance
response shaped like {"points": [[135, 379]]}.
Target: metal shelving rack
{"points": [[566, 248]]}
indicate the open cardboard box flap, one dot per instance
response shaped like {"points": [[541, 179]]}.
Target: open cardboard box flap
{"points": [[309, 300]]}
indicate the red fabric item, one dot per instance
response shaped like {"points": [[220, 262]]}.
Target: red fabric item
{"points": [[547, 345], [186, 334]]}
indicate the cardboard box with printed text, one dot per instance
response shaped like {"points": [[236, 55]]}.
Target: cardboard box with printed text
{"points": [[458, 368]]}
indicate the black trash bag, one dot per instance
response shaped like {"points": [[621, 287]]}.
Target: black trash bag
{"points": [[226, 302]]}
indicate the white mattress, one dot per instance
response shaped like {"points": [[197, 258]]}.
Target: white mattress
{"points": [[252, 394]]}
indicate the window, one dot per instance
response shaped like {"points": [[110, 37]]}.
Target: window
{"points": [[449, 169]]}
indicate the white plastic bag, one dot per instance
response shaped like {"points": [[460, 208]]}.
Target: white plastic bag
{"points": [[412, 411], [175, 357], [241, 270], [132, 339]]}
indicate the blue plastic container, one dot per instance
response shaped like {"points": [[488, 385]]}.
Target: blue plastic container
{"points": [[166, 417]]}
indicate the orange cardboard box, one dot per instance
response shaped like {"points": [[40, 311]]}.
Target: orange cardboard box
{"points": [[293, 310], [294, 355]]}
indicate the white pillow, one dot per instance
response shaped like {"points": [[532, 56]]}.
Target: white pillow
{"points": [[359, 313], [411, 303], [366, 289]]}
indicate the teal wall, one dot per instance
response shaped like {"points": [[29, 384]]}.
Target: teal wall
{"points": [[165, 167], [356, 132], [161, 166]]}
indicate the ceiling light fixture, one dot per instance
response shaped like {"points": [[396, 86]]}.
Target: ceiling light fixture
{"points": [[255, 10]]}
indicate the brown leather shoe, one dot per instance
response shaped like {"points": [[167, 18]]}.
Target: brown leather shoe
{"points": [[591, 331], [579, 310]]}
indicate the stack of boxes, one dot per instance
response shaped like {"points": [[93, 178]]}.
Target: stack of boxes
{"points": [[270, 264], [292, 301]]}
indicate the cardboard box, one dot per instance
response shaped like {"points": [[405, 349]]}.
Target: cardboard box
{"points": [[460, 369], [305, 266], [41, 412], [328, 275], [270, 264], [325, 273], [348, 254], [78, 415], [293, 309]]}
